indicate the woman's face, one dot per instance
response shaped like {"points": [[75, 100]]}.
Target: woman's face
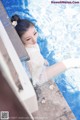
{"points": [[30, 36]]}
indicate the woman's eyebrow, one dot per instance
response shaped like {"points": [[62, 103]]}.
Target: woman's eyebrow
{"points": [[35, 31]]}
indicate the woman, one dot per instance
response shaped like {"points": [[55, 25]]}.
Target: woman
{"points": [[39, 68]]}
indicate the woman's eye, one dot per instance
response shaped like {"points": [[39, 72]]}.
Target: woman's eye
{"points": [[35, 33], [28, 39]]}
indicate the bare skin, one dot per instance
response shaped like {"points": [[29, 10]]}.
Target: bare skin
{"points": [[55, 69]]}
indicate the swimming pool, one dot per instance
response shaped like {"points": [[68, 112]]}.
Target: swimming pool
{"points": [[59, 38]]}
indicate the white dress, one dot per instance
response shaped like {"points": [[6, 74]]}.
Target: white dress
{"points": [[36, 65]]}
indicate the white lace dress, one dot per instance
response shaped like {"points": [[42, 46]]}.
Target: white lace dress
{"points": [[36, 65]]}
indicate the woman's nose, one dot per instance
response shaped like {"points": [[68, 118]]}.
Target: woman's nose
{"points": [[34, 40]]}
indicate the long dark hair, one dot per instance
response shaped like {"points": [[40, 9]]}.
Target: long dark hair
{"points": [[22, 24]]}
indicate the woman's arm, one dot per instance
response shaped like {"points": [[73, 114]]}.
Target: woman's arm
{"points": [[57, 68]]}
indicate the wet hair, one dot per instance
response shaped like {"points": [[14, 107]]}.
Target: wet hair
{"points": [[22, 24]]}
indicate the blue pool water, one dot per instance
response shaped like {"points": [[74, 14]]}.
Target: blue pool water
{"points": [[59, 38]]}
